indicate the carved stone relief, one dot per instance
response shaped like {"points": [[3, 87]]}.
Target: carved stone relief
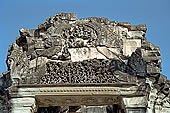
{"points": [[68, 50]]}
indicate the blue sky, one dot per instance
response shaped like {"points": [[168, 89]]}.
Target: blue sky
{"points": [[15, 14]]}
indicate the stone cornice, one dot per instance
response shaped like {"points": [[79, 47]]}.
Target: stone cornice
{"points": [[70, 91]]}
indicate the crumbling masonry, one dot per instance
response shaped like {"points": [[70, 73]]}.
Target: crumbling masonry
{"points": [[89, 65]]}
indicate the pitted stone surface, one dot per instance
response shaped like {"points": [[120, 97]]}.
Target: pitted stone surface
{"points": [[89, 50], [68, 50]]}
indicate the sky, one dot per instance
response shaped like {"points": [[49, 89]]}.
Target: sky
{"points": [[16, 14]]}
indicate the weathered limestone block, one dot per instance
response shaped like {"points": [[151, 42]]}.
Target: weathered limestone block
{"points": [[136, 34], [38, 62], [22, 105], [152, 49], [124, 24], [80, 54], [135, 102], [141, 27], [130, 45], [48, 52], [151, 69]]}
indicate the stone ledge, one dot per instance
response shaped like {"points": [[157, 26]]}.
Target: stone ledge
{"points": [[132, 91], [80, 85]]}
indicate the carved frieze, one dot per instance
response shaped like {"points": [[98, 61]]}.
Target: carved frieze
{"points": [[46, 101], [87, 71]]}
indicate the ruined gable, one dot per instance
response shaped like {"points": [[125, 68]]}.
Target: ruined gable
{"points": [[87, 56]]}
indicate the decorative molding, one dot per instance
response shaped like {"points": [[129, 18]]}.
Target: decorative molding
{"points": [[46, 101], [118, 91]]}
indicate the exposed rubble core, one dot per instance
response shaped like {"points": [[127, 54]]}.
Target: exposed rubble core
{"points": [[87, 52]]}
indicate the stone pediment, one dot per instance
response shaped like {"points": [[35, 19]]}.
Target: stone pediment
{"points": [[69, 50], [89, 61]]}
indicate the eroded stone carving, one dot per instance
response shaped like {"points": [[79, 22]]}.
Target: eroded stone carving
{"points": [[68, 50], [87, 71]]}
